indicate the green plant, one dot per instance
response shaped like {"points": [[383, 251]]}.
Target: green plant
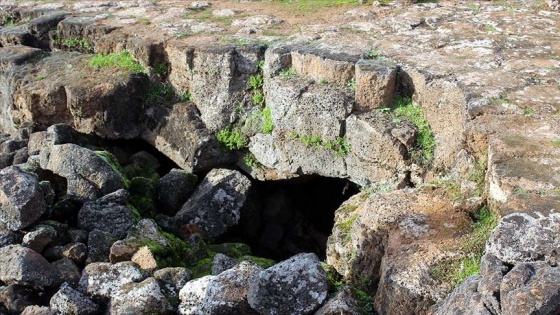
{"points": [[41, 77], [250, 160], [478, 175], [425, 141], [255, 82], [528, 111], [267, 125], [260, 65], [352, 85], [475, 9], [161, 68], [288, 73], [258, 98], [9, 21], [186, 96], [556, 143], [158, 92], [340, 145], [145, 21], [520, 191], [181, 35], [76, 43], [323, 81], [122, 60], [231, 139]]}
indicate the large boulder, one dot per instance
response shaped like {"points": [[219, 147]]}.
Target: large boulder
{"points": [[21, 265], [216, 203], [192, 296], [464, 300], [21, 198], [297, 285], [108, 214], [89, 176], [173, 190], [17, 297]]}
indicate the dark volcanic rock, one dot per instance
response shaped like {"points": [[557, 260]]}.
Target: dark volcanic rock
{"points": [[99, 246], [16, 298], [21, 265], [173, 190]]}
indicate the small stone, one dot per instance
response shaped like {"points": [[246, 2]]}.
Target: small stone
{"points": [[145, 259], [224, 12], [342, 303], [173, 190], [199, 4], [38, 310], [222, 263], [39, 237]]}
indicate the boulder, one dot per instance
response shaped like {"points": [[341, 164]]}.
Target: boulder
{"points": [[99, 246], [375, 84], [8, 237], [67, 271], [70, 301], [21, 198], [23, 266], [173, 279], [463, 300], [342, 303], [221, 263], [39, 237], [104, 280], [142, 298], [17, 297], [173, 190], [88, 174], [38, 310], [192, 296], [297, 285], [216, 203], [108, 214]]}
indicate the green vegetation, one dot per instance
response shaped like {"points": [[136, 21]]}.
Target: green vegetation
{"points": [[556, 143], [365, 302], [110, 159], [250, 160], [75, 43], [186, 96], [255, 82], [267, 125], [352, 85], [261, 262], [288, 73], [41, 77], [375, 55], [258, 98], [478, 175], [528, 111], [231, 139], [475, 8], [346, 227], [121, 60], [425, 143], [340, 145], [456, 270], [161, 68], [323, 81], [145, 21], [334, 279], [159, 92]]}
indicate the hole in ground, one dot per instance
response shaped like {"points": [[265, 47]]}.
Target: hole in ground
{"points": [[284, 218]]}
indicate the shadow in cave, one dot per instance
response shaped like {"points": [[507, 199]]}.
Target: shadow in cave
{"points": [[284, 218]]}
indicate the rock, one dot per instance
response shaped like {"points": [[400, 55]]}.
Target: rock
{"points": [[23, 266], [76, 252], [21, 199], [78, 236], [38, 310], [39, 237], [221, 263], [521, 238], [215, 205], [8, 237], [67, 271], [297, 285], [99, 246], [146, 159], [531, 288], [375, 84], [16, 298], [70, 301], [224, 12], [108, 214], [342, 303], [173, 279], [104, 280], [173, 190], [145, 297], [463, 300], [145, 259], [37, 142], [192, 296], [88, 175], [257, 20]]}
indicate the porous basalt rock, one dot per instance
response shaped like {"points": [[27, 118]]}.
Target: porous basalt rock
{"points": [[21, 265]]}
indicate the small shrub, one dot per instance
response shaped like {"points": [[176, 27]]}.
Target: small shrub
{"points": [[122, 60], [186, 96], [288, 73], [255, 82], [267, 125], [76, 43], [352, 85], [528, 111], [158, 92], [250, 160], [231, 139]]}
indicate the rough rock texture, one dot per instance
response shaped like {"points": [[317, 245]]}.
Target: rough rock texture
{"points": [[89, 176], [21, 199], [67, 271], [464, 299], [221, 263], [70, 301], [39, 237], [173, 279], [108, 214], [297, 285], [192, 296], [215, 205], [145, 297], [105, 280], [17, 297], [173, 190], [99, 246], [342, 303], [21, 265]]}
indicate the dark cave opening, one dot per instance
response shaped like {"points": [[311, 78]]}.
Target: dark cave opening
{"points": [[284, 218]]}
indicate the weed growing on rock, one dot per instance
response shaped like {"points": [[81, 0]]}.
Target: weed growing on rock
{"points": [[250, 160], [161, 68], [75, 43], [186, 96], [288, 73], [110, 159], [528, 111], [352, 85], [425, 143], [475, 8], [267, 125], [159, 92], [255, 82], [122, 60], [556, 143], [258, 99], [478, 175], [145, 21], [340, 146], [231, 139]]}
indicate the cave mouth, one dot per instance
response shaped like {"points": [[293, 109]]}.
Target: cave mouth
{"points": [[284, 218]]}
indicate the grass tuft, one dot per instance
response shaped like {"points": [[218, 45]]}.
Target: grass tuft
{"points": [[231, 139], [268, 125], [121, 60]]}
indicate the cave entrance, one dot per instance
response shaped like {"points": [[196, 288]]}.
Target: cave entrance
{"points": [[284, 218]]}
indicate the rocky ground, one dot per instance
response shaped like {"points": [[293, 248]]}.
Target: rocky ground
{"points": [[155, 155]]}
